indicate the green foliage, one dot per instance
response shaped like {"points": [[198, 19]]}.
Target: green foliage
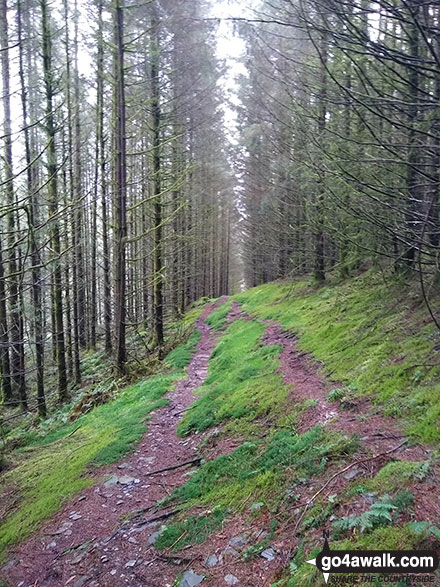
{"points": [[336, 394], [261, 473], [181, 355], [218, 317], [379, 514], [369, 334], [425, 529], [193, 530], [398, 474], [242, 383]]}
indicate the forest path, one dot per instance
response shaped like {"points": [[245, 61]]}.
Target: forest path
{"points": [[95, 540], [86, 542]]}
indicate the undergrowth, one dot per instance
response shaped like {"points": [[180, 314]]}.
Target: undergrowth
{"points": [[259, 472], [192, 530]]}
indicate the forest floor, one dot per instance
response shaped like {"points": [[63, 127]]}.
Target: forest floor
{"points": [[220, 493]]}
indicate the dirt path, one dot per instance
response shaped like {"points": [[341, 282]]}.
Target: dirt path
{"points": [[121, 554], [109, 558]]}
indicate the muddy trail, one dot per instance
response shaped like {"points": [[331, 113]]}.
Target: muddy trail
{"points": [[105, 537]]}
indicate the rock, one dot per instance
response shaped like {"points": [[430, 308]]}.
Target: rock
{"points": [[237, 541], [153, 537], [231, 580], [231, 552], [81, 581], [78, 559], [148, 460], [112, 482], [268, 554], [104, 559], [65, 526], [352, 473], [126, 480], [82, 498], [120, 502], [51, 544], [75, 516], [113, 572], [211, 561], [131, 563], [123, 466], [132, 540], [191, 579]]}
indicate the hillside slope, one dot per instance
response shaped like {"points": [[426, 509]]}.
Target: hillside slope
{"points": [[300, 410]]}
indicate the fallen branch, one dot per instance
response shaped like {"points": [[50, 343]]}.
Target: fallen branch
{"points": [[192, 462], [157, 518], [337, 474]]}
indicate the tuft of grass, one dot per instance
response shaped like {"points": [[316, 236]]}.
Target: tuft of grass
{"points": [[218, 317], [181, 355], [193, 530], [398, 474], [255, 472]]}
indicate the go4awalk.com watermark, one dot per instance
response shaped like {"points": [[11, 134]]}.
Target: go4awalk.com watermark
{"points": [[410, 567]]}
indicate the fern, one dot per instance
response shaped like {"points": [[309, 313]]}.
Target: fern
{"points": [[379, 514], [425, 528]]}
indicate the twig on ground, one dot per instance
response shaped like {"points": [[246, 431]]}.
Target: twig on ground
{"points": [[192, 462]]}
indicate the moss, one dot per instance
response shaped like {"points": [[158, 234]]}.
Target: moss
{"points": [[181, 356], [218, 317], [369, 334], [256, 472], [398, 474], [193, 530], [242, 382]]}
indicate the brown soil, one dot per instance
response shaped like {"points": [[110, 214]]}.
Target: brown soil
{"points": [[87, 543]]}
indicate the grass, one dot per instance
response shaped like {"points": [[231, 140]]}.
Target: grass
{"points": [[193, 530], [261, 472], [52, 467], [398, 474], [218, 317], [181, 355], [370, 335], [242, 383]]}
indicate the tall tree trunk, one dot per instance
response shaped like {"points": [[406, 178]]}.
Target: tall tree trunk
{"points": [[32, 186], [158, 245], [120, 190], [52, 197]]}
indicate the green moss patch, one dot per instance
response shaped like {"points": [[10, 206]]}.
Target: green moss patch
{"points": [[193, 530], [256, 472], [242, 382], [398, 474], [218, 317]]}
